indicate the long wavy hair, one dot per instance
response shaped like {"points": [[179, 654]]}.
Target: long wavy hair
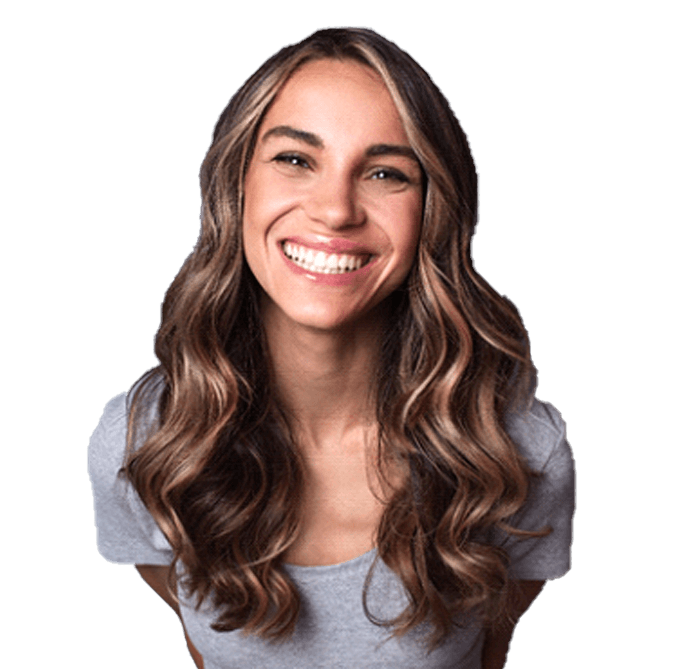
{"points": [[211, 452]]}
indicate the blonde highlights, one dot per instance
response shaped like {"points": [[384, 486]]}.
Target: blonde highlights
{"points": [[218, 467]]}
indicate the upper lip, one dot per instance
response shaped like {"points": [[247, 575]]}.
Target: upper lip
{"points": [[328, 244]]}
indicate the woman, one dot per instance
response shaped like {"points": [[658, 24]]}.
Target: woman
{"points": [[339, 461]]}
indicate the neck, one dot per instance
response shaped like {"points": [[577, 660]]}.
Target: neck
{"points": [[326, 380]]}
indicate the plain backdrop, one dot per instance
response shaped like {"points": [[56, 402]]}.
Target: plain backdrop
{"points": [[574, 114]]}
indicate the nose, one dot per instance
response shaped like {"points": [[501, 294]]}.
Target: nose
{"points": [[334, 202]]}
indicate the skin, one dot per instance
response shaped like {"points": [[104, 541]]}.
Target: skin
{"points": [[157, 577], [332, 165], [312, 177], [498, 637]]}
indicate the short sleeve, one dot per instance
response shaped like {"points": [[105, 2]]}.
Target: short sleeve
{"points": [[541, 437], [126, 532]]}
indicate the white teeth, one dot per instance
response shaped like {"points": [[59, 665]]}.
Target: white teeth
{"points": [[323, 263]]}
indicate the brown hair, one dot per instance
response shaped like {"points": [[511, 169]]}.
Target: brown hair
{"points": [[219, 470]]}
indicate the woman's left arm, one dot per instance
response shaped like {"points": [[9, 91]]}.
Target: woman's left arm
{"points": [[157, 577], [498, 636]]}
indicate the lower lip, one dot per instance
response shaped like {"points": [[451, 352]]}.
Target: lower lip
{"points": [[342, 279]]}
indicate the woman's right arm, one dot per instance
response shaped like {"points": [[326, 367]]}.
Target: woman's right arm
{"points": [[498, 637], [157, 577]]}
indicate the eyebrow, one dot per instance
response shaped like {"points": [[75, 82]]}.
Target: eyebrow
{"points": [[318, 143], [300, 135], [391, 150]]}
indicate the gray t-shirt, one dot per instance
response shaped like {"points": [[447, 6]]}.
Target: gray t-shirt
{"points": [[333, 630]]}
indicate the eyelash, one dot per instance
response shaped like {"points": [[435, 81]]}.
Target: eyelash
{"points": [[295, 160], [291, 159], [393, 175]]}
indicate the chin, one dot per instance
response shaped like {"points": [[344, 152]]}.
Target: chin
{"points": [[320, 318], [330, 322]]}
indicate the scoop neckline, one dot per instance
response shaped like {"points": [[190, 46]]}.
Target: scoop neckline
{"points": [[330, 567]]}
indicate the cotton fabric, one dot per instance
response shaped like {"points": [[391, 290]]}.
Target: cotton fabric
{"points": [[333, 630]]}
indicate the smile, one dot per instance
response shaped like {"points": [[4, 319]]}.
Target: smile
{"points": [[323, 263]]}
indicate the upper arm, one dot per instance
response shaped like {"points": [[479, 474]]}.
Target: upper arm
{"points": [[497, 636], [126, 531], [521, 596], [541, 438], [158, 577]]}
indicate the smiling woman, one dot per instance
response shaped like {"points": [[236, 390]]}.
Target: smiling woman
{"points": [[334, 178], [339, 460]]}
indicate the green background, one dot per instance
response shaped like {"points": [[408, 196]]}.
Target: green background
{"points": [[571, 110]]}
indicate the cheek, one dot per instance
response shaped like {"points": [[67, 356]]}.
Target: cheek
{"points": [[267, 198], [255, 218], [408, 233], [251, 200], [253, 233]]}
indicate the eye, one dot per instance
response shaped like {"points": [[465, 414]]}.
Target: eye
{"points": [[387, 174], [292, 160]]}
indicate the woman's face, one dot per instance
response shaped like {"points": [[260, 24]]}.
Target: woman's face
{"points": [[333, 198]]}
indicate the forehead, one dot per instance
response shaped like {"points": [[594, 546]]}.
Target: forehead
{"points": [[328, 95]]}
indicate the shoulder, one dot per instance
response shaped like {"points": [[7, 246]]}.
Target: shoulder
{"points": [[540, 434], [107, 449], [115, 414], [126, 532], [108, 443]]}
